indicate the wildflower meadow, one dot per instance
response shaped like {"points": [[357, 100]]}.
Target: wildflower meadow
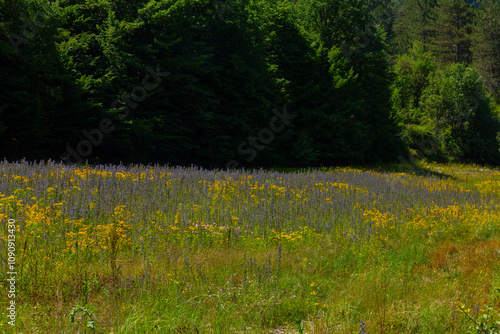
{"points": [[155, 249]]}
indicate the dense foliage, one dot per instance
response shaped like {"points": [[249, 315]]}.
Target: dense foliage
{"points": [[248, 82]]}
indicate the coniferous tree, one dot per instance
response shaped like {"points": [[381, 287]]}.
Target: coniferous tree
{"points": [[414, 21], [485, 45], [292, 63], [384, 16], [451, 42], [219, 91], [357, 92], [41, 106]]}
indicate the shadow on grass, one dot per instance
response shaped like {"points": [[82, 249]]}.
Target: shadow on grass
{"points": [[413, 169], [410, 169]]}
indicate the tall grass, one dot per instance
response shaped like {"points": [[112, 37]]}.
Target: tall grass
{"points": [[151, 249]]}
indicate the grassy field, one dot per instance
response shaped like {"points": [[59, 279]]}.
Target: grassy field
{"points": [[114, 249]]}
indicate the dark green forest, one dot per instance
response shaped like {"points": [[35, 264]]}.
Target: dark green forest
{"points": [[247, 83]]}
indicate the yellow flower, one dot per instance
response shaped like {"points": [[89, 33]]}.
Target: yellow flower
{"points": [[313, 284], [313, 293]]}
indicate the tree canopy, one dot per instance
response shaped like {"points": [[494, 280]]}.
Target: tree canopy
{"points": [[247, 82]]}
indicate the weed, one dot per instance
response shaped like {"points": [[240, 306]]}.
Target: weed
{"points": [[87, 317]]}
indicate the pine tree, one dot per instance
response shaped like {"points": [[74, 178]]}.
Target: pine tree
{"points": [[485, 45], [451, 43], [413, 22]]}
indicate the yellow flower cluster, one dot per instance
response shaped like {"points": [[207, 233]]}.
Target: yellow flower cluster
{"points": [[294, 238]]}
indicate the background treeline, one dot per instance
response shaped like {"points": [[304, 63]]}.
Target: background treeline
{"points": [[250, 82]]}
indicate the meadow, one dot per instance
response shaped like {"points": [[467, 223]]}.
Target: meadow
{"points": [[152, 249]]}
